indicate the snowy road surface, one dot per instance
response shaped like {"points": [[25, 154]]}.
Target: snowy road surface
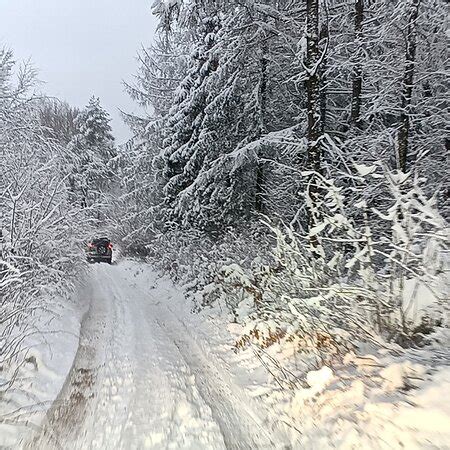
{"points": [[143, 378]]}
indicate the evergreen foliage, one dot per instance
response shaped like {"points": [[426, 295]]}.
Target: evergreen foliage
{"points": [[237, 134], [91, 151], [326, 118]]}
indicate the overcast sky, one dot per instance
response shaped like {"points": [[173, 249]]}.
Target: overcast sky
{"points": [[81, 47]]}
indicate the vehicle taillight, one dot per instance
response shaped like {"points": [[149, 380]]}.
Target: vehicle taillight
{"points": [[110, 246]]}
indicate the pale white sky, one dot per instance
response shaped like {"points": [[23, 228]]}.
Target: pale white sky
{"points": [[81, 47]]}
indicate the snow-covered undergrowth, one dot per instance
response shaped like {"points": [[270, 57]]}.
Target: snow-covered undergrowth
{"points": [[372, 399], [49, 349], [193, 259]]}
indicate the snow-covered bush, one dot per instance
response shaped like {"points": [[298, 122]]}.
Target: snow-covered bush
{"points": [[347, 281], [40, 230], [193, 259], [414, 257], [294, 298]]}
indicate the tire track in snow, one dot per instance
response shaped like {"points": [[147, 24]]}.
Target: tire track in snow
{"points": [[140, 380], [235, 413], [66, 415], [171, 417], [185, 420]]}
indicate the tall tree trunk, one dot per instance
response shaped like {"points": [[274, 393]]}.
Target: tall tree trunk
{"points": [[324, 36], [313, 85], [407, 84], [315, 126], [357, 69], [262, 100]]}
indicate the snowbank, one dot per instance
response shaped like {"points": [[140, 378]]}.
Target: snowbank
{"points": [[371, 401], [51, 350]]}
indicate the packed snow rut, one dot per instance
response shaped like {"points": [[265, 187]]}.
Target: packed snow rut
{"points": [[143, 379]]}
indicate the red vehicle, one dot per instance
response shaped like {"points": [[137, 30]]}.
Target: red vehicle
{"points": [[99, 250]]}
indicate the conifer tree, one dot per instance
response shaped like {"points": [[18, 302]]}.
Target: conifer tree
{"points": [[92, 151]]}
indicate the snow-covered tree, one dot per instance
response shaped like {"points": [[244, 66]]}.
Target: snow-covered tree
{"points": [[91, 153], [222, 107], [60, 119], [321, 115], [40, 229]]}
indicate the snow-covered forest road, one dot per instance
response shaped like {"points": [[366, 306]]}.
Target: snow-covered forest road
{"points": [[144, 378]]}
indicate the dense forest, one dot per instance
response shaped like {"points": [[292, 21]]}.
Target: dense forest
{"points": [[298, 150]]}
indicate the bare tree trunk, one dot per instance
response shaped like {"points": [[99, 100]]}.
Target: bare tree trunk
{"points": [[262, 100], [407, 84], [313, 85], [324, 36], [314, 113], [357, 69]]}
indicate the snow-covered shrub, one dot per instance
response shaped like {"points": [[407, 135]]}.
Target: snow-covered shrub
{"points": [[347, 280], [39, 228], [414, 257], [193, 258], [295, 298]]}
